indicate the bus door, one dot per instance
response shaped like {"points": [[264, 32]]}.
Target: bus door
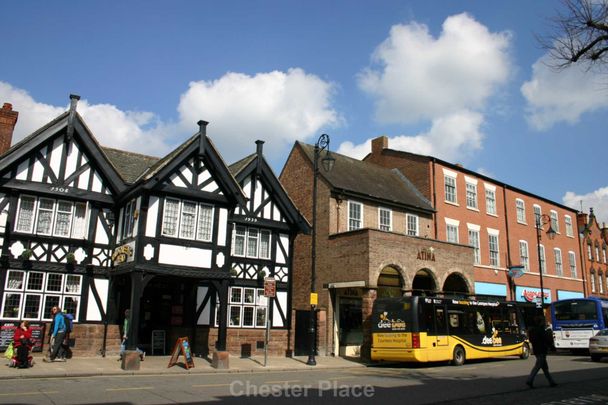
{"points": [[441, 327]]}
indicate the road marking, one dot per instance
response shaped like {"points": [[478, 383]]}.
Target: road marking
{"points": [[211, 385], [343, 377], [129, 389], [281, 382], [28, 393]]}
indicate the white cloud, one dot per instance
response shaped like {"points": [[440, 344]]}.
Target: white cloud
{"points": [[561, 96], [444, 81], [598, 200], [423, 78], [277, 107], [450, 137], [129, 130]]}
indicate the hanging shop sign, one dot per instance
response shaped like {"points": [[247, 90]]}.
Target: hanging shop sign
{"points": [[123, 253]]}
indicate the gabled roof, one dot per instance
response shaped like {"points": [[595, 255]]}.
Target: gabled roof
{"points": [[22, 148], [163, 167], [248, 165], [128, 164], [369, 181]]}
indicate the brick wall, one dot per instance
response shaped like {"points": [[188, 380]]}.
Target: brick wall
{"points": [[243, 342], [8, 119]]}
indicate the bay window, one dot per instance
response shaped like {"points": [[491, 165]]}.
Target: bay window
{"points": [[45, 216]]}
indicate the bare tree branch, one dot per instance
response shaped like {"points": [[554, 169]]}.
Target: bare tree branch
{"points": [[579, 35]]}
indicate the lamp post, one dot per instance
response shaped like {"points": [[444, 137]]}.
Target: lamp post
{"points": [[328, 164], [541, 220]]}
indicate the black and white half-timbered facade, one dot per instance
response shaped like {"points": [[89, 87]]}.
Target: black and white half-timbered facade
{"points": [[57, 194], [182, 241]]}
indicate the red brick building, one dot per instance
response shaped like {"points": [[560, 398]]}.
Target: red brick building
{"points": [[593, 252], [375, 237], [499, 221]]}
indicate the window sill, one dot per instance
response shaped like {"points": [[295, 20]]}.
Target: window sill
{"points": [[473, 209], [452, 203]]}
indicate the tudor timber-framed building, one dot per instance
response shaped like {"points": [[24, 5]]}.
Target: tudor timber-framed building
{"points": [[182, 241]]}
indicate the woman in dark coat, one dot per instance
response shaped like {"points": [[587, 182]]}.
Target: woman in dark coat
{"points": [[22, 342]]}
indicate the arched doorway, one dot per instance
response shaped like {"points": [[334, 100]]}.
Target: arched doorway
{"points": [[456, 284], [424, 283], [390, 283]]}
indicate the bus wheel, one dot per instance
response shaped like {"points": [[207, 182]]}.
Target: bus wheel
{"points": [[459, 356], [525, 351]]}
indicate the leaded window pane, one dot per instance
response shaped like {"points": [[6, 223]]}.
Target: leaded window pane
{"points": [[54, 282], [79, 224], [170, 217], [205, 222], [248, 316], [252, 242], [265, 244], [15, 280], [35, 281], [12, 305], [240, 233], [50, 301], [64, 219], [44, 222], [25, 217], [186, 228], [72, 284], [31, 306], [235, 315]]}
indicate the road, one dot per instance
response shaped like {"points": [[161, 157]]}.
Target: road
{"points": [[486, 382]]}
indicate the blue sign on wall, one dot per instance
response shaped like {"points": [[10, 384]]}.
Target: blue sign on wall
{"points": [[531, 294]]}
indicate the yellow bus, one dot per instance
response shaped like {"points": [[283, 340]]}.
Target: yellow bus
{"points": [[425, 329]]}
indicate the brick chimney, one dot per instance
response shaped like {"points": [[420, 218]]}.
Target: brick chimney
{"points": [[378, 144], [8, 119]]}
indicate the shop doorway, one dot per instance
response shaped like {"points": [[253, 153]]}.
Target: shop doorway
{"points": [[350, 326]]}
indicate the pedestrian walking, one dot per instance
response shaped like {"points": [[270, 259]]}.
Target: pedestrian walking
{"points": [[57, 336], [541, 340]]}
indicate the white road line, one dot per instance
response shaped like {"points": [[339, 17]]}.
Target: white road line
{"points": [[11, 394], [129, 389]]}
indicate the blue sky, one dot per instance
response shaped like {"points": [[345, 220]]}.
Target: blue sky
{"points": [[460, 80]]}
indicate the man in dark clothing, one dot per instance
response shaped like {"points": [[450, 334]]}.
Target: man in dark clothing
{"points": [[541, 341]]}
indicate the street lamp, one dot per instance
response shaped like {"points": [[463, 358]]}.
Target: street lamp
{"points": [[328, 164], [542, 219]]}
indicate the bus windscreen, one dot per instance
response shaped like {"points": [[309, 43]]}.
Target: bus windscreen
{"points": [[576, 310]]}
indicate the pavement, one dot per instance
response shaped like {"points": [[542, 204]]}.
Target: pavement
{"points": [[155, 365]]}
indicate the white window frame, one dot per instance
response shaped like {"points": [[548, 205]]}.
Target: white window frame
{"points": [[415, 220], [572, 263], [165, 230], [494, 254], [597, 253], [353, 222], [520, 209], [474, 242], [589, 251], [40, 303], [29, 229], [543, 260], [246, 235], [259, 303], [591, 276], [554, 221], [451, 230], [471, 193], [538, 212], [490, 198], [62, 295], [193, 219], [450, 190], [4, 299], [604, 253], [265, 234], [388, 216], [600, 277], [524, 255], [568, 221], [559, 264]]}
